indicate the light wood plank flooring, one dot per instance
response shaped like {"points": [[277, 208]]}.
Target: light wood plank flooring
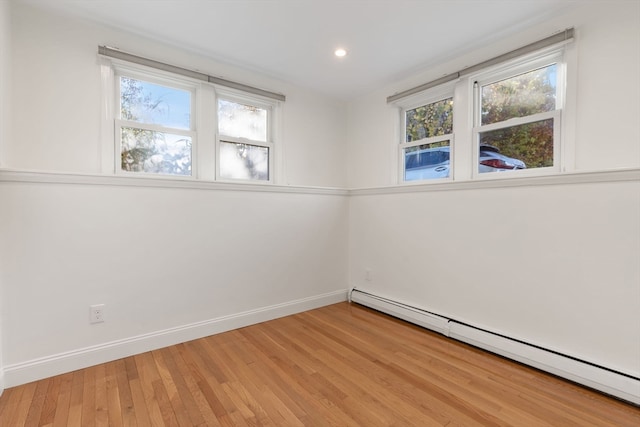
{"points": [[341, 365]]}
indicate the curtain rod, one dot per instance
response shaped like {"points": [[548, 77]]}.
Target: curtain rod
{"points": [[118, 54], [560, 37]]}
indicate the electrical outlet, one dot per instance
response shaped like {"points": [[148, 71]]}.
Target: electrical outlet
{"points": [[367, 275], [96, 313]]}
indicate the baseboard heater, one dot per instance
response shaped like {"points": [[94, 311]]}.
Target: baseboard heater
{"points": [[614, 383]]}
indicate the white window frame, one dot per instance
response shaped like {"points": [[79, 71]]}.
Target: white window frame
{"points": [[271, 108], [465, 145], [204, 123], [424, 98], [164, 80], [511, 69]]}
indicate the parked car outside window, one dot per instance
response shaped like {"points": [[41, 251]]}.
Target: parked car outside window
{"points": [[433, 163]]}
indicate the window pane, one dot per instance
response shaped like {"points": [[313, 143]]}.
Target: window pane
{"points": [[242, 121], [434, 119], [155, 152], [520, 96], [244, 161], [517, 147], [146, 102], [428, 161]]}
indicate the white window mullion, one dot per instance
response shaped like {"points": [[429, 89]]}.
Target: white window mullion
{"points": [[206, 122], [107, 112], [277, 158]]}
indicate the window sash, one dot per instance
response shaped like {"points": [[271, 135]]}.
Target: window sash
{"points": [[120, 124], [556, 115], [161, 80], [422, 104], [514, 69], [425, 141], [220, 139], [246, 100]]}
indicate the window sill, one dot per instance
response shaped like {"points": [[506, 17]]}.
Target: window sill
{"points": [[24, 176], [568, 178]]}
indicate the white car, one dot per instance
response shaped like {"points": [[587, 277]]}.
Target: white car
{"points": [[433, 163], [492, 161]]}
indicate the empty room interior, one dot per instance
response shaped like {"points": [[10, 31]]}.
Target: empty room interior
{"points": [[317, 212]]}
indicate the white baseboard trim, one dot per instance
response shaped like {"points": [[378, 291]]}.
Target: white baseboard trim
{"points": [[33, 370], [402, 311], [599, 378]]}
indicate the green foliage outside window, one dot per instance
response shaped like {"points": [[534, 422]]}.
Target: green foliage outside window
{"points": [[532, 142], [521, 96], [435, 119]]}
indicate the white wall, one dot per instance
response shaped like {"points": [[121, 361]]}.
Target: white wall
{"points": [[5, 77], [56, 65], [555, 265], [5, 69], [159, 258], [171, 261]]}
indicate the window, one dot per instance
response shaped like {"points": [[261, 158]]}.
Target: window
{"points": [[154, 130], [506, 119], [427, 136], [517, 122], [174, 126], [244, 142]]}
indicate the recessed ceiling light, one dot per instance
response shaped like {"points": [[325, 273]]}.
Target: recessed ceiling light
{"points": [[340, 52]]}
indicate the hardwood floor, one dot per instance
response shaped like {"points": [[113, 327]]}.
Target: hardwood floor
{"points": [[341, 365]]}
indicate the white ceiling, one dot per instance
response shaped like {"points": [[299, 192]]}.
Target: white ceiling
{"points": [[294, 40]]}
